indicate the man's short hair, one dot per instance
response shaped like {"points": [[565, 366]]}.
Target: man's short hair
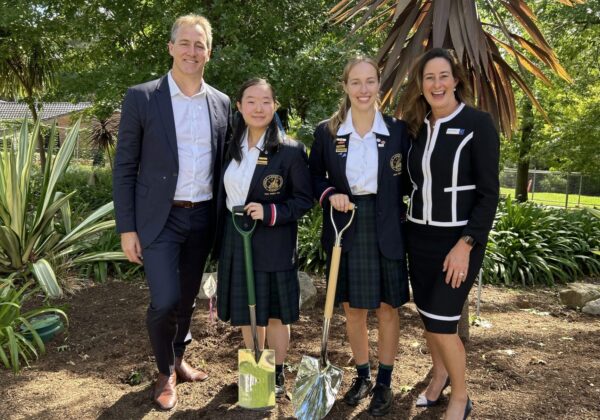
{"points": [[193, 20]]}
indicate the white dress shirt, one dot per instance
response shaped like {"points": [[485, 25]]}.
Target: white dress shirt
{"points": [[192, 127], [239, 174], [362, 159]]}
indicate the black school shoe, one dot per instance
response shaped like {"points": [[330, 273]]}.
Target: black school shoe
{"points": [[361, 387], [280, 385], [381, 401]]}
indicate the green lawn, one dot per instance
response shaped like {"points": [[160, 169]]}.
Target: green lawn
{"points": [[557, 199]]}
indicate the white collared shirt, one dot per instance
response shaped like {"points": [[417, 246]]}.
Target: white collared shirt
{"points": [[362, 160], [238, 175], [192, 127]]}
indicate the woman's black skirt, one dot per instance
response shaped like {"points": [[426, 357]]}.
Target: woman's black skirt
{"points": [[438, 303], [277, 293], [367, 278]]}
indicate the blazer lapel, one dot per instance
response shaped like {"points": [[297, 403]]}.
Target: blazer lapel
{"points": [[263, 162], [214, 119], [340, 154], [381, 155], [165, 106]]}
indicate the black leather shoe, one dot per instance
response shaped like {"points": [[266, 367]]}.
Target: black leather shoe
{"points": [[381, 401], [422, 400], [361, 387], [468, 408], [280, 385]]}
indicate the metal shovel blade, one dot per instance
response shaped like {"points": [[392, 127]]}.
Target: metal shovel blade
{"points": [[316, 388], [256, 384]]}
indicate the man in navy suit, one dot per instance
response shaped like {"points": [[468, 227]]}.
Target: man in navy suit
{"points": [[165, 181]]}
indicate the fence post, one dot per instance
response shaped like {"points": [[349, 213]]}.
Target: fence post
{"points": [[533, 186], [567, 193]]}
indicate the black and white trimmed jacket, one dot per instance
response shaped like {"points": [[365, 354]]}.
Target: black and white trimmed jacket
{"points": [[453, 167]]}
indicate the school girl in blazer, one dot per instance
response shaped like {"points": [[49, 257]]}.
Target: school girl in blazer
{"points": [[358, 156], [453, 167], [269, 176]]}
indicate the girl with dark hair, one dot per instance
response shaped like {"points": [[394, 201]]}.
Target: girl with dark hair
{"points": [[453, 166], [267, 173], [358, 157]]}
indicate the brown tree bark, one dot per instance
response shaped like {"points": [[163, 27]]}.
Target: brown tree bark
{"points": [[40, 138], [525, 142]]}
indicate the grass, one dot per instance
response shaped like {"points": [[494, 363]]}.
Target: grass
{"points": [[558, 199]]}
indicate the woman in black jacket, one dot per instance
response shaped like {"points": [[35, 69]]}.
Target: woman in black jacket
{"points": [[453, 166], [357, 157], [269, 175]]}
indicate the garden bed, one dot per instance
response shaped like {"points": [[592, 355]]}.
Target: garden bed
{"points": [[536, 360]]}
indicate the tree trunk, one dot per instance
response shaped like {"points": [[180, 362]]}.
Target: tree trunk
{"points": [[525, 142], [40, 138]]}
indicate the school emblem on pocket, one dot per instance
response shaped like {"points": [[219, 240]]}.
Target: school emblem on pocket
{"points": [[273, 183], [396, 163]]}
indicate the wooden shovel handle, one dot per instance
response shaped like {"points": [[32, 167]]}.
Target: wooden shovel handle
{"points": [[336, 254]]}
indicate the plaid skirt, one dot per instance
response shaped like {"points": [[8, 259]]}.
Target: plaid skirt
{"points": [[277, 293], [367, 278]]}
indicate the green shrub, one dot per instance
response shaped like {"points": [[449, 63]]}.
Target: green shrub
{"points": [[109, 243], [532, 244], [311, 256], [93, 188], [37, 229], [19, 341]]}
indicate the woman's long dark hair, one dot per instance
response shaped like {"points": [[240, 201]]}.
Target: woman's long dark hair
{"points": [[273, 136], [413, 106]]}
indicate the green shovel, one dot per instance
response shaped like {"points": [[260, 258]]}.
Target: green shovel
{"points": [[256, 385]]}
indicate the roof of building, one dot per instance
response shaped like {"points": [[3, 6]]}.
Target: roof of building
{"points": [[50, 110]]}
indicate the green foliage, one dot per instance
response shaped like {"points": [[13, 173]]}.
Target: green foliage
{"points": [[113, 264], [533, 245], [311, 255], [19, 341], [90, 195], [569, 140], [36, 225]]}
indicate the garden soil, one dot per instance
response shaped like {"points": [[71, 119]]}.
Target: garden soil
{"points": [[528, 358]]}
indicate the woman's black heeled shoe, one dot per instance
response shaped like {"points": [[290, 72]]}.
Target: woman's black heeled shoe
{"points": [[468, 408], [422, 400]]}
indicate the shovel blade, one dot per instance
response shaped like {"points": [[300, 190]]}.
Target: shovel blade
{"points": [[256, 384], [315, 389]]}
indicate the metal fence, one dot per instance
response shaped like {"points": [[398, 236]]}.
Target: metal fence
{"points": [[560, 189]]}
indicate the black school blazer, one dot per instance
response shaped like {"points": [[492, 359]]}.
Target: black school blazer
{"points": [[328, 170], [281, 183]]}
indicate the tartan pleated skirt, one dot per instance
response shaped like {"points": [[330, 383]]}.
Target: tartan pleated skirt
{"points": [[277, 293], [366, 278]]}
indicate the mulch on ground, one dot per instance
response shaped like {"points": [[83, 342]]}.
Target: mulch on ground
{"points": [[529, 358]]}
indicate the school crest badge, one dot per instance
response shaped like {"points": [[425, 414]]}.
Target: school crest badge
{"points": [[396, 163], [273, 183]]}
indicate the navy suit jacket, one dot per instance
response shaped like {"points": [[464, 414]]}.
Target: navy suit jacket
{"points": [[282, 184], [147, 162], [327, 163]]}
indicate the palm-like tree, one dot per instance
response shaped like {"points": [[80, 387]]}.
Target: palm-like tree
{"points": [[414, 26], [26, 73]]}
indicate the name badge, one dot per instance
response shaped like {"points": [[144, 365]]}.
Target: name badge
{"points": [[262, 161], [455, 131]]}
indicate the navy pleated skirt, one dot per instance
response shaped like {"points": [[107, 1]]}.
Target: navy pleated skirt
{"points": [[367, 278], [277, 293]]}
